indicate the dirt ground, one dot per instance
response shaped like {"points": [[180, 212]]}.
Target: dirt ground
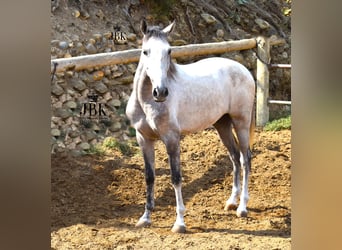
{"points": [[96, 201]]}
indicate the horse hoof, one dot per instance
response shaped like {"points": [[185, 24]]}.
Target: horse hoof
{"points": [[230, 207], [143, 223], [242, 213], [178, 229]]}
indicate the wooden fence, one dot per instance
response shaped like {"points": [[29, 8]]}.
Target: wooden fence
{"points": [[128, 56]]}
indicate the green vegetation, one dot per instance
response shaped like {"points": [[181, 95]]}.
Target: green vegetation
{"points": [[279, 124], [126, 148]]}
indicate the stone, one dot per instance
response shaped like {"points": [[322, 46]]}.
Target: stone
{"points": [[76, 13], [98, 75], [115, 103], [115, 127], [71, 105], [117, 74], [132, 68], [57, 90], [101, 88], [178, 42], [220, 33], [74, 133], [54, 43], [78, 84], [97, 36], [92, 41], [262, 23], [55, 132], [126, 79], [131, 37], [63, 45], [63, 113], [90, 48], [90, 135], [85, 146], [209, 19], [100, 14], [107, 35]]}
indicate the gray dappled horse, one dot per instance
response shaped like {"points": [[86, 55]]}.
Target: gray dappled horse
{"points": [[169, 100]]}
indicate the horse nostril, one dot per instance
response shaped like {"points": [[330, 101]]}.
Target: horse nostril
{"points": [[166, 92], [155, 92]]}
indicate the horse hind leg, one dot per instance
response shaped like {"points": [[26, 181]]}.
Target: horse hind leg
{"points": [[224, 129], [242, 127]]}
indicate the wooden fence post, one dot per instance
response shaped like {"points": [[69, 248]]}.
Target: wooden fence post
{"points": [[263, 52]]}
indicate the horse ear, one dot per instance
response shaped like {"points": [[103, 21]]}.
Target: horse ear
{"points": [[168, 29], [143, 26]]}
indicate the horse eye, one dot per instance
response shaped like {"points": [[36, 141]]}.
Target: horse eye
{"points": [[169, 51], [145, 52]]}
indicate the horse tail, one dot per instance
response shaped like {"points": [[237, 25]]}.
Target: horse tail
{"points": [[252, 128]]}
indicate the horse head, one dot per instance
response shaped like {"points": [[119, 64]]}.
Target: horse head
{"points": [[156, 58]]}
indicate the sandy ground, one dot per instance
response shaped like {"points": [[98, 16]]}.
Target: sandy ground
{"points": [[96, 201]]}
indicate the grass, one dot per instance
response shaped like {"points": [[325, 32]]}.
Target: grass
{"points": [[126, 148], [279, 124]]}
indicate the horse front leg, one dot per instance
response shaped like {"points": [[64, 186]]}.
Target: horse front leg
{"points": [[173, 150], [147, 147]]}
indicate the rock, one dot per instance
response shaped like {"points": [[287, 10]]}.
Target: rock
{"points": [[285, 55], [63, 45], [55, 132], [71, 105], [100, 14], [108, 35], [131, 37], [115, 103], [54, 43], [220, 33], [101, 88], [126, 79], [92, 41], [117, 74], [79, 47], [63, 113], [115, 127], [262, 23], [90, 49], [178, 42], [74, 133], [132, 68], [75, 13], [97, 36], [85, 146], [69, 73], [90, 135], [78, 84], [57, 90], [209, 19], [98, 75]]}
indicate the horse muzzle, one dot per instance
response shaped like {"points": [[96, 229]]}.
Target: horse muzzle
{"points": [[160, 94]]}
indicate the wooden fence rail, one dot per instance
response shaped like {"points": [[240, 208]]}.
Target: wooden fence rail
{"points": [[128, 56]]}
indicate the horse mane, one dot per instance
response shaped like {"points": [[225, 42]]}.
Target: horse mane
{"points": [[155, 31]]}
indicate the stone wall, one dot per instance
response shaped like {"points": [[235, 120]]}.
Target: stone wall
{"points": [[89, 105]]}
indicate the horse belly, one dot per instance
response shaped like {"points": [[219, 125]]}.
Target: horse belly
{"points": [[201, 117]]}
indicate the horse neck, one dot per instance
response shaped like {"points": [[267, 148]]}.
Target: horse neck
{"points": [[142, 87]]}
